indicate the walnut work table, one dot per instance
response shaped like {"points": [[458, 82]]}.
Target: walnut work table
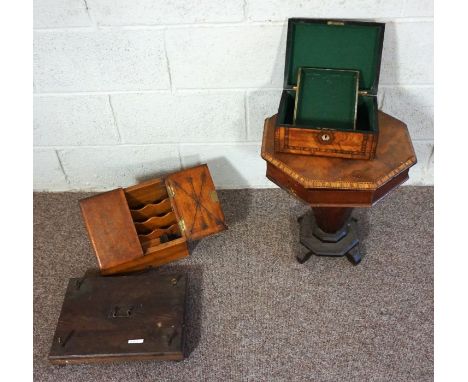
{"points": [[334, 186]]}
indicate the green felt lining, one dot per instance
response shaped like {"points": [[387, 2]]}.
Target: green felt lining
{"points": [[353, 45], [327, 98], [366, 119]]}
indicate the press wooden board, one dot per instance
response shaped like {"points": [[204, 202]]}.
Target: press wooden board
{"points": [[139, 317]]}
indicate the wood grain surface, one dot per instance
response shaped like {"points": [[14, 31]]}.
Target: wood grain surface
{"points": [[196, 203], [111, 228], [145, 225], [121, 318], [394, 155], [325, 142]]}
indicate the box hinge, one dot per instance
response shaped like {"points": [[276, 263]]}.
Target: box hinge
{"points": [[214, 196], [182, 225], [170, 191]]}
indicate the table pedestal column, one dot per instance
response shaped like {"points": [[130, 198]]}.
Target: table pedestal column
{"points": [[329, 231]]}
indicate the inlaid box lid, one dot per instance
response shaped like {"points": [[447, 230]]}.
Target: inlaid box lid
{"points": [[335, 44], [195, 202]]}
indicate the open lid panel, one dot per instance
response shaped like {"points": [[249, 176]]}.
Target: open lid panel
{"points": [[335, 44], [195, 202], [326, 98], [111, 228]]}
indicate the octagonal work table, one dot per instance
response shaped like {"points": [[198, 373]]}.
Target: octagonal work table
{"points": [[334, 186]]}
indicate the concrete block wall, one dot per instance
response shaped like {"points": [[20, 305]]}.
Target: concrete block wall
{"points": [[126, 90]]}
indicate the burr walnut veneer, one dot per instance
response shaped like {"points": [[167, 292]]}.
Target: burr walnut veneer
{"points": [[333, 186], [149, 224]]}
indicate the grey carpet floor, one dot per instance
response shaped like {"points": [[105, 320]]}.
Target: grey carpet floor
{"points": [[255, 313]]}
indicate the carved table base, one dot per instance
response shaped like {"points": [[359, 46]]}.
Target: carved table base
{"points": [[329, 232]]}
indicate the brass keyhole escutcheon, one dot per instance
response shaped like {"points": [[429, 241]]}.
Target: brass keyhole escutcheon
{"points": [[325, 138]]}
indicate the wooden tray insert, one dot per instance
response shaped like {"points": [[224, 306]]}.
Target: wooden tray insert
{"points": [[152, 214]]}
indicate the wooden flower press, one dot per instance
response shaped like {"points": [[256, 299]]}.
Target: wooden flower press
{"points": [[334, 186]]}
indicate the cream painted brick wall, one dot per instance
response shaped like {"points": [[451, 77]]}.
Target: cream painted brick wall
{"points": [[126, 90], [262, 10], [425, 167], [71, 61], [48, 173], [260, 105], [414, 105], [106, 167], [74, 120], [60, 13], [408, 54], [227, 57], [232, 166], [181, 117], [418, 8], [160, 12]]}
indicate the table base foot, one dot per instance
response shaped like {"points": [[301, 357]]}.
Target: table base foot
{"points": [[344, 242]]}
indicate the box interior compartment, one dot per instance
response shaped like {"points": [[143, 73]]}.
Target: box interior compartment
{"points": [[366, 120], [327, 98], [152, 214]]}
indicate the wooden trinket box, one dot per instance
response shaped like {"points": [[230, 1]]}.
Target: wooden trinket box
{"points": [[339, 45], [149, 224], [120, 319]]}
